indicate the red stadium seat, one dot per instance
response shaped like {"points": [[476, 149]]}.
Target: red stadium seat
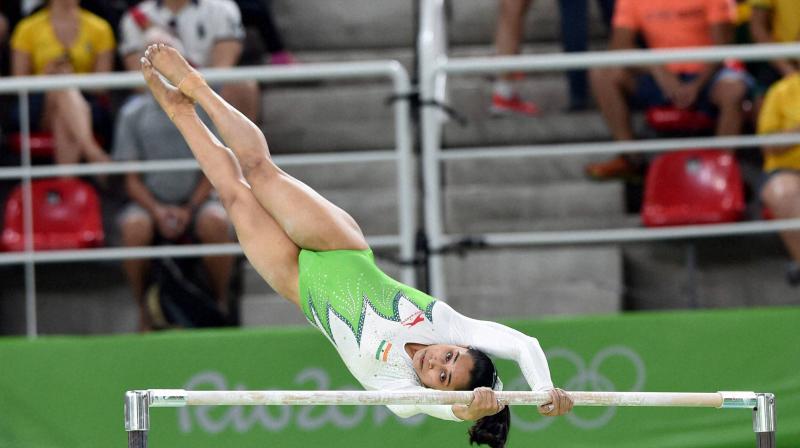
{"points": [[670, 119], [66, 215], [693, 187], [42, 143]]}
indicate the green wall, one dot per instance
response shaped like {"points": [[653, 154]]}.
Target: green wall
{"points": [[67, 391]]}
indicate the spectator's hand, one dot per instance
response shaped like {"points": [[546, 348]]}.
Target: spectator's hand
{"points": [[560, 403], [484, 403], [183, 215], [169, 225], [59, 66]]}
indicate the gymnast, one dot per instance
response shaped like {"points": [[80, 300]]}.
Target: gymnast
{"points": [[390, 336]]}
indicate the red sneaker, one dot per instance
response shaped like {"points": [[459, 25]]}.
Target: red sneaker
{"points": [[617, 168], [503, 106]]}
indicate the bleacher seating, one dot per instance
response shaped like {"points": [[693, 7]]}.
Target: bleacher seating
{"points": [[673, 120]]}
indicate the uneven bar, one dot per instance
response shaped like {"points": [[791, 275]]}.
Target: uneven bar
{"points": [[179, 397]]}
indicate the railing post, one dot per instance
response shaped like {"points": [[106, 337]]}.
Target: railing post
{"points": [[432, 86], [406, 179], [31, 319]]}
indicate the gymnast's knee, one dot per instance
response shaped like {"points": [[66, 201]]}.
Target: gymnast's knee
{"points": [[259, 167]]}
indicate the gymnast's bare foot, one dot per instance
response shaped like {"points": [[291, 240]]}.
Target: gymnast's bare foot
{"points": [[171, 100], [169, 62]]}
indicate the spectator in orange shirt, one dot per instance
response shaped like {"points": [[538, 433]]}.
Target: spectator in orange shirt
{"points": [[705, 86]]}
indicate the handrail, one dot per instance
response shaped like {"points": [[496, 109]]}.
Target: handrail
{"points": [[127, 253], [401, 154], [267, 74], [613, 147], [157, 166], [615, 58]]}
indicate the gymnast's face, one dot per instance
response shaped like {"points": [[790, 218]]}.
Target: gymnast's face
{"points": [[443, 367]]}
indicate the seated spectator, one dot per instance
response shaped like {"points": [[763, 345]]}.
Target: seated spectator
{"points": [[774, 21], [170, 207], [211, 33], [703, 86], [574, 38], [59, 39], [781, 191], [258, 14]]}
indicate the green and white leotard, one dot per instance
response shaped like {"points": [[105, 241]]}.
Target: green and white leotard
{"points": [[370, 317]]}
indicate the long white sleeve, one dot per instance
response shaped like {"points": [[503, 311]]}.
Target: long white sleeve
{"points": [[500, 341]]}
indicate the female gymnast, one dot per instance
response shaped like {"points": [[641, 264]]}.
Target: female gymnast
{"points": [[390, 336]]}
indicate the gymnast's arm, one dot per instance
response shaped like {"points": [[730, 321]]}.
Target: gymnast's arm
{"points": [[500, 341]]}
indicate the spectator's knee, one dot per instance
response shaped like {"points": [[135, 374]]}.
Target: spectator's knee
{"points": [[213, 225], [781, 192], [136, 229]]}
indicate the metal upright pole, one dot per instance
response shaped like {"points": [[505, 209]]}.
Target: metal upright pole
{"points": [[764, 421], [137, 417]]}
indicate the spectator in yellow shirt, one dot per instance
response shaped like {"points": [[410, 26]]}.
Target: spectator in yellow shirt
{"points": [[59, 39], [781, 192], [775, 21]]}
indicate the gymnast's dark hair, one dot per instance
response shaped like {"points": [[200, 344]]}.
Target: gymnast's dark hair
{"points": [[491, 430]]}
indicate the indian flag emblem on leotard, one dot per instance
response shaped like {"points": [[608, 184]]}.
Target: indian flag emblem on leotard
{"points": [[382, 354]]}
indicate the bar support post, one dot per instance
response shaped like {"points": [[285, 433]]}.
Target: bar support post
{"points": [[764, 420], [137, 417]]}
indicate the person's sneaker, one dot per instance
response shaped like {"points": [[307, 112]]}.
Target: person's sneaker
{"points": [[512, 105], [617, 168], [282, 58]]}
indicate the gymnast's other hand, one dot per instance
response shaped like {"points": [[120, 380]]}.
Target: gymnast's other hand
{"points": [[484, 403], [560, 403]]}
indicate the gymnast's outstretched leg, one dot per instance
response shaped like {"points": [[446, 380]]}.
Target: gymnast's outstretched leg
{"points": [[310, 220], [271, 252]]}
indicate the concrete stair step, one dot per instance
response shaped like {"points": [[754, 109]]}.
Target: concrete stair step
{"points": [[743, 271], [530, 282], [473, 22], [467, 206], [483, 225], [522, 171], [344, 24], [338, 117], [350, 176]]}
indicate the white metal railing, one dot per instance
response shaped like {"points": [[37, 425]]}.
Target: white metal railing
{"points": [[435, 64], [401, 154]]}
